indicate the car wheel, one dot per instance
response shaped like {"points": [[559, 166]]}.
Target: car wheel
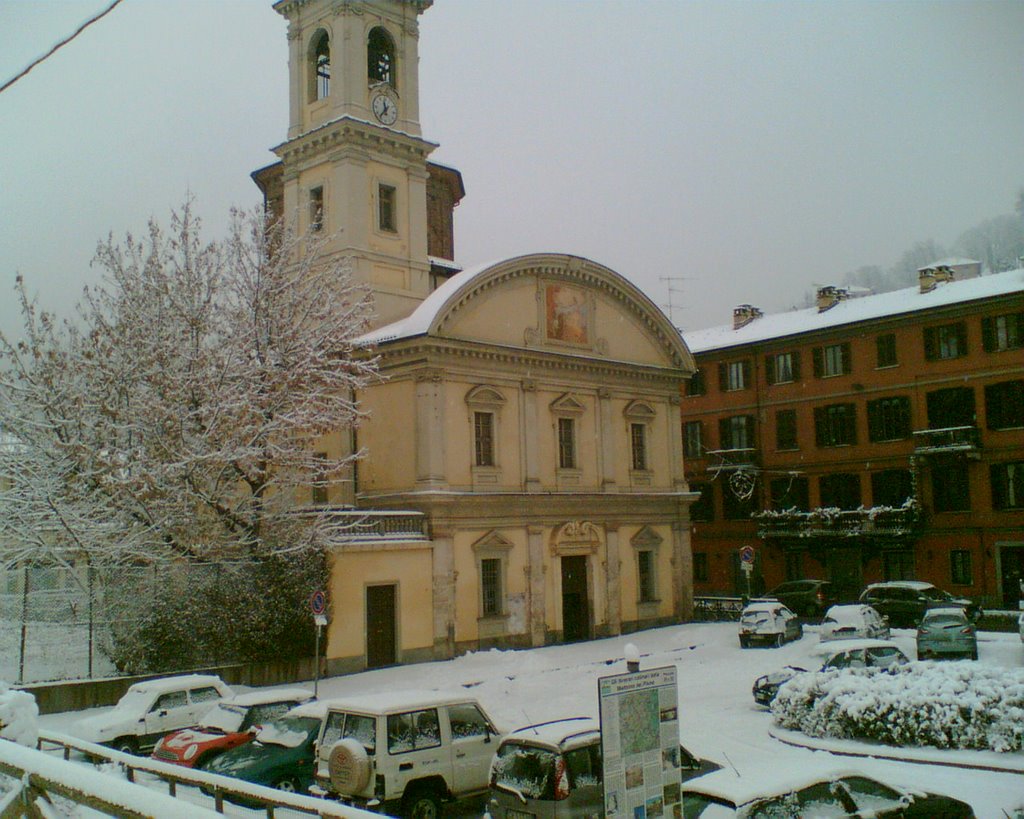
{"points": [[780, 638], [744, 642], [974, 654], [422, 803], [288, 784], [126, 745]]}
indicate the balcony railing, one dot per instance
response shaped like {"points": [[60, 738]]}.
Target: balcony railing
{"points": [[878, 521], [949, 439], [353, 525], [731, 459]]}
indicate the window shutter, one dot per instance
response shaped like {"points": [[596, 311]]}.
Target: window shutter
{"points": [[796, 365], [820, 422], [930, 343], [988, 334], [723, 378], [847, 358], [851, 423], [961, 339], [749, 422], [746, 374], [769, 369], [818, 356], [874, 420], [997, 476], [724, 438]]}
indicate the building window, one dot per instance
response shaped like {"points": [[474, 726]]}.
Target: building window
{"points": [[789, 493], [885, 346], [840, 490], [835, 425], [898, 565], [316, 208], [945, 341], [1007, 485], [490, 586], [891, 487], [889, 419], [386, 208], [833, 359], [734, 376], [782, 368], [638, 446], [736, 432], [694, 439], [960, 567], [703, 509], [953, 407], [951, 491], [696, 385], [483, 438], [701, 573], [320, 67], [566, 443], [785, 430], [320, 482], [380, 57], [645, 576], [1000, 333], [794, 565], [1004, 405]]}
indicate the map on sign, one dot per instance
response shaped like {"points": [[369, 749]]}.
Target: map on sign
{"points": [[638, 721]]}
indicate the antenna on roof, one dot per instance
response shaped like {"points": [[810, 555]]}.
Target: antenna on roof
{"points": [[671, 292]]}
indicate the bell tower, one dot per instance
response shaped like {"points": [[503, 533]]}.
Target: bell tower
{"points": [[355, 163]]}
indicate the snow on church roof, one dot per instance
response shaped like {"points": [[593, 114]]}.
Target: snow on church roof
{"points": [[852, 311]]}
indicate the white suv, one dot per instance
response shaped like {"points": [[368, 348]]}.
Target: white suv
{"points": [[405, 752], [151, 709]]}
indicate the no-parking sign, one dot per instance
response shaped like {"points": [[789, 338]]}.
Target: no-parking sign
{"points": [[318, 603], [747, 555]]}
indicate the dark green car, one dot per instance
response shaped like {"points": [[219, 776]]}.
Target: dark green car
{"points": [[281, 756]]}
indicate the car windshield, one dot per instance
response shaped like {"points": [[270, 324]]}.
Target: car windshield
{"points": [[756, 616], [702, 806], [526, 770], [223, 717], [134, 702], [289, 732], [870, 796], [945, 620], [933, 593]]}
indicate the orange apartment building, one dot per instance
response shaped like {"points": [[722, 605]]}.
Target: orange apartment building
{"points": [[876, 437]]}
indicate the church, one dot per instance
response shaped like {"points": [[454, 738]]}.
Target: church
{"points": [[523, 479]]}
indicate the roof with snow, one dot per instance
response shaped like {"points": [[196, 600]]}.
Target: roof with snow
{"points": [[853, 311]]}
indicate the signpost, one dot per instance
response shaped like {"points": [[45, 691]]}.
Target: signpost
{"points": [[747, 563], [318, 605]]}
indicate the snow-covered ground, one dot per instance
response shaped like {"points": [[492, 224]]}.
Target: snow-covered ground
{"points": [[718, 717]]}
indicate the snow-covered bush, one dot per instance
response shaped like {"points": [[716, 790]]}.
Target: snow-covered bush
{"points": [[19, 716], [948, 705]]}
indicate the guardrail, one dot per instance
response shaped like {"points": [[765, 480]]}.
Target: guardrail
{"points": [[218, 787]]}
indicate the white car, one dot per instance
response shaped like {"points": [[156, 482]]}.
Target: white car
{"points": [[853, 621], [152, 709], [769, 623]]}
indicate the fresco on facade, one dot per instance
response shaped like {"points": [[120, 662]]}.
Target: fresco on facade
{"points": [[567, 318]]}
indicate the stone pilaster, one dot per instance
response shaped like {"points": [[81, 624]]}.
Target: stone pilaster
{"points": [[535, 571], [443, 571], [682, 572], [675, 445], [613, 579], [607, 451], [430, 470], [529, 443]]}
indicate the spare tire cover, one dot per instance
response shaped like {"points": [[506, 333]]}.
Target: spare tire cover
{"points": [[349, 766]]}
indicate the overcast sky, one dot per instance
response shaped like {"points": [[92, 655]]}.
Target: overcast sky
{"points": [[746, 150]]}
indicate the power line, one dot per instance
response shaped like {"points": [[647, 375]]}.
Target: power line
{"points": [[59, 45]]}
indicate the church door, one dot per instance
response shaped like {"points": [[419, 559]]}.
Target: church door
{"points": [[380, 626], [575, 600]]}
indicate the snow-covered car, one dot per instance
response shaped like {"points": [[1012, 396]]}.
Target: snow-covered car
{"points": [[852, 621], [904, 602], [834, 794], [152, 709], [839, 654], [946, 633], [1020, 626], [769, 623], [228, 724]]}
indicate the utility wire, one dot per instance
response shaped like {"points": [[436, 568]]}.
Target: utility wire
{"points": [[62, 43]]}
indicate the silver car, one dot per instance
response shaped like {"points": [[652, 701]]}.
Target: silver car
{"points": [[946, 632]]}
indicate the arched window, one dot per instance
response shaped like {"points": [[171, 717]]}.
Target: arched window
{"points": [[380, 57], [319, 66]]}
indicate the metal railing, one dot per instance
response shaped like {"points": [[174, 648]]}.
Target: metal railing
{"points": [[346, 526], [874, 522], [717, 609], [948, 439]]}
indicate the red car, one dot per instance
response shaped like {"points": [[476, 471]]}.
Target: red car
{"points": [[230, 723]]}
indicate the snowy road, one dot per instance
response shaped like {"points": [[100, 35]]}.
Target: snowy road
{"points": [[718, 717]]}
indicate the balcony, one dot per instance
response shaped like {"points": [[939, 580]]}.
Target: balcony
{"points": [[878, 521], [368, 525], [731, 460], [948, 440]]}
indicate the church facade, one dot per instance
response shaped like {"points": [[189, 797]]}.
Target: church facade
{"points": [[523, 480]]}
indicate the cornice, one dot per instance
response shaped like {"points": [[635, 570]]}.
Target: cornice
{"points": [[347, 132]]}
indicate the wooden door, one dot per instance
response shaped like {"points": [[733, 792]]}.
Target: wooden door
{"points": [[575, 599], [380, 626]]}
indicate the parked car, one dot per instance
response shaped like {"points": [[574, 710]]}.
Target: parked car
{"points": [[838, 795], [808, 598], [904, 602], [228, 724], [554, 769], [853, 621], [281, 756], [1020, 626], [840, 654], [152, 709], [769, 623], [406, 751], [946, 633]]}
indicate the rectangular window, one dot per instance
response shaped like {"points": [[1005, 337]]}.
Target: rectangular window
{"points": [[790, 492], [703, 510], [734, 376], [490, 585], [782, 368], [953, 407], [960, 567], [320, 477], [835, 425], [785, 430], [898, 565], [886, 350], [945, 341], [566, 443], [794, 565], [736, 432], [696, 385], [387, 208], [694, 439], [891, 487], [840, 491], [316, 209], [1004, 405], [889, 419], [831, 360], [701, 573], [1000, 333], [483, 438], [638, 446], [1007, 485], [645, 576], [951, 491]]}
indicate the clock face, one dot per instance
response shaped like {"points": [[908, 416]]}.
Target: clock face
{"points": [[385, 109]]}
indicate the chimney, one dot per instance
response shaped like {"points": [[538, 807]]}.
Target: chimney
{"points": [[829, 296], [930, 277], [744, 314]]}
